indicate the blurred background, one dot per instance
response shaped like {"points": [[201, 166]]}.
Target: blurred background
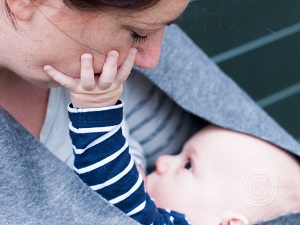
{"points": [[257, 43]]}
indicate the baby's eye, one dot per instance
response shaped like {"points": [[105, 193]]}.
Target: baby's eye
{"points": [[188, 166]]}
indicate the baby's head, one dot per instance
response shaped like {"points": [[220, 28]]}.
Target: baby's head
{"points": [[223, 177]]}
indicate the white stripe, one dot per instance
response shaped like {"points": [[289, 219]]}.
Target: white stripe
{"points": [[97, 141], [130, 192], [102, 162], [280, 95], [91, 130], [137, 209], [79, 110], [250, 46], [114, 179]]}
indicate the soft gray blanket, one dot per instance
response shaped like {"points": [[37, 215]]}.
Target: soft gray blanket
{"points": [[37, 188], [195, 83]]}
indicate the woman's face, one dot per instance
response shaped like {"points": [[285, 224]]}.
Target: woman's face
{"points": [[57, 35]]}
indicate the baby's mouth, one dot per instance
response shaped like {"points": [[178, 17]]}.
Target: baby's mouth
{"points": [[97, 74]]}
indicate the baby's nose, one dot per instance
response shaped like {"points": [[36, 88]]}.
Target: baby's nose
{"points": [[163, 164]]}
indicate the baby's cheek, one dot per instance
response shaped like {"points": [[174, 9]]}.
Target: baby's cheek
{"points": [[150, 183], [153, 186], [161, 194]]}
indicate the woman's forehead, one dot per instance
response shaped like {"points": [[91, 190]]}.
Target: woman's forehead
{"points": [[163, 13]]}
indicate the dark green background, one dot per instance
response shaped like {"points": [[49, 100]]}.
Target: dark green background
{"points": [[264, 36]]}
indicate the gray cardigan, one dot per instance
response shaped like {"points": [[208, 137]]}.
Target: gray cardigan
{"points": [[37, 188]]}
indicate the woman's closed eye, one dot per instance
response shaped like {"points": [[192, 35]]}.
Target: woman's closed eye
{"points": [[139, 38]]}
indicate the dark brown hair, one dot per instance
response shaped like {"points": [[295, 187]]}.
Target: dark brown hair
{"points": [[94, 5]]}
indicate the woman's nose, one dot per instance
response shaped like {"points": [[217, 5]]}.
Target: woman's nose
{"points": [[164, 164], [149, 52]]}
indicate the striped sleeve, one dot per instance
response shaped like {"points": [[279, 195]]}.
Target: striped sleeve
{"points": [[103, 162]]}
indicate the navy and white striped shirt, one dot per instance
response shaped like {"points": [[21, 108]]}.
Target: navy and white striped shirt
{"points": [[103, 162]]}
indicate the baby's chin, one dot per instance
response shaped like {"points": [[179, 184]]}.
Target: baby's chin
{"points": [[150, 183], [154, 189]]}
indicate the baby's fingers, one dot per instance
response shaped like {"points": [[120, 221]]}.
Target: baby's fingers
{"points": [[59, 77], [87, 72], [126, 67], [109, 71]]}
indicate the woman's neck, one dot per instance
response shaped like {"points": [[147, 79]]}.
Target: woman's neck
{"points": [[24, 101]]}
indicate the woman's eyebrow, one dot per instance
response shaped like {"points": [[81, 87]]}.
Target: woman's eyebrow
{"points": [[165, 23]]}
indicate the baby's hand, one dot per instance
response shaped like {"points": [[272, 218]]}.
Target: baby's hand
{"points": [[90, 91]]}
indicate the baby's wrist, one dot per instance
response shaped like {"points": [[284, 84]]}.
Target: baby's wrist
{"points": [[85, 103], [117, 105], [91, 106]]}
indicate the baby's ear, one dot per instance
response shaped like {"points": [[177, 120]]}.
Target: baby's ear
{"points": [[231, 218], [21, 9]]}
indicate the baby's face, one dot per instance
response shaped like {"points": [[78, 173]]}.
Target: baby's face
{"points": [[190, 182], [204, 181]]}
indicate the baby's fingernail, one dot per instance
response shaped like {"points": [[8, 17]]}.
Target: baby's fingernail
{"points": [[86, 56], [113, 54], [47, 68], [133, 50]]}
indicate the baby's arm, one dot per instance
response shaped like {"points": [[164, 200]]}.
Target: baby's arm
{"points": [[102, 159]]}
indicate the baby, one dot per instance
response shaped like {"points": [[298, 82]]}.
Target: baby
{"points": [[221, 177]]}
